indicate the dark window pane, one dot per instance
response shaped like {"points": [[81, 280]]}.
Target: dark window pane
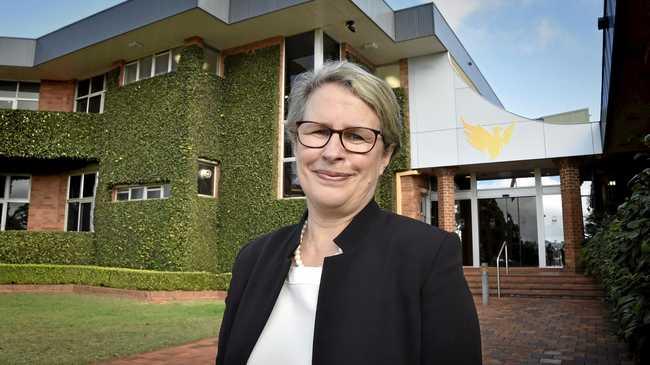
{"points": [[137, 193], [2, 186], [19, 187], [27, 105], [330, 49], [122, 195], [73, 216], [131, 73], [17, 216], [97, 84], [8, 89], [205, 179], [82, 87], [95, 104], [86, 209], [288, 150], [291, 185], [89, 185], [299, 54], [81, 105], [153, 193], [28, 90], [6, 104], [167, 190], [145, 67], [75, 187], [162, 63]]}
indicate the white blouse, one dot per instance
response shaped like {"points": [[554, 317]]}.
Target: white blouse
{"points": [[288, 336]]}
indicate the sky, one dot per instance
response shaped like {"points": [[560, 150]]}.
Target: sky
{"points": [[541, 57]]}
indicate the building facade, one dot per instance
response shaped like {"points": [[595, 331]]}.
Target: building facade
{"points": [[157, 141]]}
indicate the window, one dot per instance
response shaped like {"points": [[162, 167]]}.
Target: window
{"points": [[142, 192], [516, 180], [150, 66], [19, 95], [90, 95], [207, 178], [14, 202], [211, 60], [81, 202], [300, 53]]}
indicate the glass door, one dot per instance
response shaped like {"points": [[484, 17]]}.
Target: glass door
{"points": [[509, 219]]}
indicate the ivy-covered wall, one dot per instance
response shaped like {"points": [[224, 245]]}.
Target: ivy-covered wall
{"points": [[153, 131]]}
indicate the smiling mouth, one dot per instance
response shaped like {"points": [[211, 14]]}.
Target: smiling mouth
{"points": [[331, 175]]}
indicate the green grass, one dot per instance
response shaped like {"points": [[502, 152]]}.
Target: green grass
{"points": [[73, 329]]}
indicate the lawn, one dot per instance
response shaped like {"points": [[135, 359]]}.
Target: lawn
{"points": [[70, 328]]}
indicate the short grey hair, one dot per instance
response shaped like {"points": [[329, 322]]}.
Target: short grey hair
{"points": [[374, 91]]}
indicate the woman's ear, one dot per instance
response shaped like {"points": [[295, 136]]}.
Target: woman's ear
{"points": [[385, 158]]}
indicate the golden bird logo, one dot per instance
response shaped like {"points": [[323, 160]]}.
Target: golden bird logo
{"points": [[484, 141]]}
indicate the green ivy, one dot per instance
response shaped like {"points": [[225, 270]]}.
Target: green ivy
{"points": [[153, 131], [112, 277], [22, 247]]}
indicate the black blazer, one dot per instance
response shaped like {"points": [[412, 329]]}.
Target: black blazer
{"points": [[397, 295]]}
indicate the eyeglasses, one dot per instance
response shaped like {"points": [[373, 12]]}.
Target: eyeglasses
{"points": [[354, 139]]}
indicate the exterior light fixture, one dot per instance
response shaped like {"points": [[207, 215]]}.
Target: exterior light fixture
{"points": [[205, 173], [370, 45], [351, 27], [135, 44]]}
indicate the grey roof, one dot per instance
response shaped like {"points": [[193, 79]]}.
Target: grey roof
{"points": [[401, 25]]}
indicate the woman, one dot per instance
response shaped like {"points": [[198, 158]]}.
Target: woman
{"points": [[350, 283]]}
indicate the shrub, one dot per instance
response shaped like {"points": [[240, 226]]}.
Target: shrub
{"points": [[618, 255], [112, 277]]}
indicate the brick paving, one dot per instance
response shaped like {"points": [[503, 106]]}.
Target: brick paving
{"points": [[513, 330]]}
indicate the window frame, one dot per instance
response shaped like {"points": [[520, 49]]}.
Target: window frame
{"points": [[216, 173], [15, 99], [152, 73], [81, 200], [5, 199], [90, 95], [145, 196]]}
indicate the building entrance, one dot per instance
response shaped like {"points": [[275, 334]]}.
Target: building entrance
{"points": [[513, 220]]}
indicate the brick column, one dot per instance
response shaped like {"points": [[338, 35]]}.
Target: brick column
{"points": [[56, 96], [446, 198], [413, 188], [47, 203], [571, 213]]}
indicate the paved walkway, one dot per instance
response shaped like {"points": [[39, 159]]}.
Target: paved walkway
{"points": [[514, 331]]}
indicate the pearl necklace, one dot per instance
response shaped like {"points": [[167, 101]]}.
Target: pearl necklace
{"points": [[296, 254]]}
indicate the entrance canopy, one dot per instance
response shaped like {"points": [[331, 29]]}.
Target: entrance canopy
{"points": [[453, 125]]}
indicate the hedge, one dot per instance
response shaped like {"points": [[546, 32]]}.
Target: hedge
{"points": [[618, 255], [112, 277]]}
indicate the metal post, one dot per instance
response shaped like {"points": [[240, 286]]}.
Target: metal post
{"points": [[484, 283]]}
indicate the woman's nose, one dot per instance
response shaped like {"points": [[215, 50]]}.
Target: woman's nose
{"points": [[334, 149]]}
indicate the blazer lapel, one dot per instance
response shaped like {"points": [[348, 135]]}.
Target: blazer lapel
{"points": [[260, 295]]}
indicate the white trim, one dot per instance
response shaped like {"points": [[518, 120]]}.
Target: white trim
{"points": [[318, 48], [90, 94], [80, 200], [539, 204], [5, 200], [15, 99]]}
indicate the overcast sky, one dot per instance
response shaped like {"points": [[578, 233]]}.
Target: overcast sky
{"points": [[540, 56]]}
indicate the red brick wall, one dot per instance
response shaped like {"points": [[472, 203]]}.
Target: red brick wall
{"points": [[56, 96], [47, 203], [446, 198], [571, 213], [413, 187]]}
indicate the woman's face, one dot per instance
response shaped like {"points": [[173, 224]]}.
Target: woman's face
{"points": [[332, 178]]}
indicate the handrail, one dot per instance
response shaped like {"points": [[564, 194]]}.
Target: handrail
{"points": [[503, 246]]}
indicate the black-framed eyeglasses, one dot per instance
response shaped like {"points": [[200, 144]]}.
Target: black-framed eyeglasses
{"points": [[354, 139]]}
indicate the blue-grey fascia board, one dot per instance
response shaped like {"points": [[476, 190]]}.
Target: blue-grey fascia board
{"points": [[17, 52], [109, 23], [451, 42], [426, 20]]}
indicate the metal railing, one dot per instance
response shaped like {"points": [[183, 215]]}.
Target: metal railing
{"points": [[501, 250]]}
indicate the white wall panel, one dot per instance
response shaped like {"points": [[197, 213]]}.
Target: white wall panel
{"points": [[431, 97], [437, 148], [568, 139]]}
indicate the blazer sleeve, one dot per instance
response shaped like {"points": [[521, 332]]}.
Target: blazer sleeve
{"points": [[450, 327], [240, 273]]}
